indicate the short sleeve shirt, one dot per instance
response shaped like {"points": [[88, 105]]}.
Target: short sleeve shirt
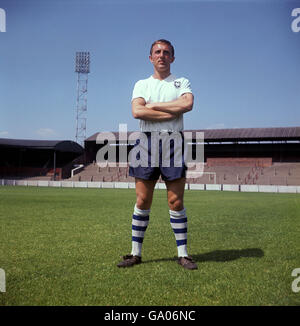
{"points": [[154, 90]]}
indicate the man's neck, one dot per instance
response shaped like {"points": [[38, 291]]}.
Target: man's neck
{"points": [[161, 75]]}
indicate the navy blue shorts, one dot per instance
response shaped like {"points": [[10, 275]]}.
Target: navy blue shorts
{"points": [[158, 154]]}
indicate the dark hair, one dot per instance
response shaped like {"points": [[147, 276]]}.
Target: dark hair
{"points": [[163, 41]]}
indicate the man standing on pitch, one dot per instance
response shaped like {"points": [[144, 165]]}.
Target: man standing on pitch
{"points": [[159, 102]]}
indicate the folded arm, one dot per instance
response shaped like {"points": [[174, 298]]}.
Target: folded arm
{"points": [[179, 106], [141, 111]]}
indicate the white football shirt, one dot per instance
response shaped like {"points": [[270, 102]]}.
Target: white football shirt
{"points": [[154, 90]]}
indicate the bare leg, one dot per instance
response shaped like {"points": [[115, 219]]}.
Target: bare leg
{"points": [[144, 193], [175, 193], [178, 219]]}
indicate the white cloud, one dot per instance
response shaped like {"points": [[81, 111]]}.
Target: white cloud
{"points": [[4, 133], [46, 132]]}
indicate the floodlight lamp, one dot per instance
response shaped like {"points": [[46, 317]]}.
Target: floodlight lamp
{"points": [[82, 62]]}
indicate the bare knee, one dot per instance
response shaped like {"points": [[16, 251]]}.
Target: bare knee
{"points": [[143, 202], [175, 203]]}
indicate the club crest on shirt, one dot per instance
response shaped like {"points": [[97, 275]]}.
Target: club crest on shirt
{"points": [[177, 84]]}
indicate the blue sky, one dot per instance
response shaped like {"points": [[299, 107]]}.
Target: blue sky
{"points": [[242, 58]]}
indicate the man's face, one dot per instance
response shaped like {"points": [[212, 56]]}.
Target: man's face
{"points": [[161, 57]]}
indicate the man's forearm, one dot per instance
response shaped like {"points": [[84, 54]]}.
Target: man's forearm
{"points": [[182, 105], [148, 114]]}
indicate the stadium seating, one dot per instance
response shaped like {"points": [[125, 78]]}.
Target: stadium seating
{"points": [[93, 172], [277, 174]]}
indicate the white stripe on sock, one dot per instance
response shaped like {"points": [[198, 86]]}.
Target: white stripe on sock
{"points": [[137, 246], [181, 249]]}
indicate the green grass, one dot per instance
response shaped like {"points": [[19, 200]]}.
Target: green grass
{"points": [[60, 246]]}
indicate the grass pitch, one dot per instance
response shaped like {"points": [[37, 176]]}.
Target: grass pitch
{"points": [[60, 246]]}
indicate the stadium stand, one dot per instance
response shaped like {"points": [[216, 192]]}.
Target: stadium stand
{"points": [[265, 156], [278, 174], [38, 159], [93, 172], [246, 156]]}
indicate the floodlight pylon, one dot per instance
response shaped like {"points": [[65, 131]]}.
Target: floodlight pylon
{"points": [[82, 68]]}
